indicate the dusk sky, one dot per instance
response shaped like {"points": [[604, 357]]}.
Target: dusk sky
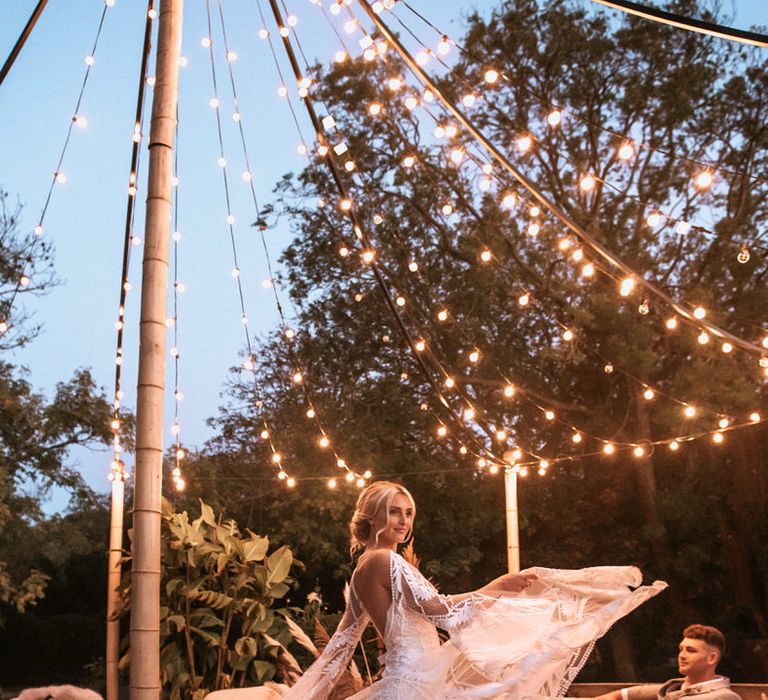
{"points": [[85, 218]]}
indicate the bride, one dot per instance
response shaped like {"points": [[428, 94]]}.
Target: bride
{"points": [[521, 636]]}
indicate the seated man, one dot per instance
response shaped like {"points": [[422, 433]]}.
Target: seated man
{"points": [[700, 652]]}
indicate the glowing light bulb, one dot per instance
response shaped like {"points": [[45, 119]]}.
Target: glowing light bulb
{"points": [[61, 178], [608, 448], [89, 61], [310, 413], [206, 42], [703, 338], [485, 256], [451, 130], [627, 285], [644, 308], [564, 243], [469, 414], [568, 335], [554, 117], [350, 476], [457, 155], [450, 382], [368, 256], [340, 56], [494, 469], [639, 451], [345, 204], [501, 435], [468, 100], [649, 394], [588, 270], [549, 415], [689, 411], [331, 483], [727, 347], [674, 445], [290, 482], [509, 391], [349, 166], [626, 151], [284, 32], [394, 84], [444, 46], [231, 56], [754, 417], [409, 161], [442, 315], [723, 423], [324, 441], [682, 228], [491, 76], [80, 121], [374, 108], [524, 144], [654, 219], [277, 457], [420, 345], [400, 301], [263, 33], [282, 91], [463, 450], [298, 378], [533, 229], [671, 323], [222, 162], [447, 209], [718, 438], [743, 256], [509, 200], [411, 103], [474, 356], [704, 180], [442, 431], [523, 299], [576, 438], [587, 183], [350, 26], [534, 211], [699, 312]]}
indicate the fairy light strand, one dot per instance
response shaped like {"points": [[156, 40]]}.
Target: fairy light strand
{"points": [[286, 332], [58, 177], [118, 466]]}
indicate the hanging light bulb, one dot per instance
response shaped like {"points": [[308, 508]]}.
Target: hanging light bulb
{"points": [[674, 445], [627, 285], [649, 394], [671, 323], [491, 76], [554, 117], [626, 151], [524, 144], [743, 256], [704, 180]]}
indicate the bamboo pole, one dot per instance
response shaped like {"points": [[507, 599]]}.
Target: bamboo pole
{"points": [[513, 535], [145, 571], [113, 583]]}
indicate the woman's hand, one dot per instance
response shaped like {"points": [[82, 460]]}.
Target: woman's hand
{"points": [[510, 583]]}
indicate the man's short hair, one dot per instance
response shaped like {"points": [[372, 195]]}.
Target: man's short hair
{"points": [[711, 635]]}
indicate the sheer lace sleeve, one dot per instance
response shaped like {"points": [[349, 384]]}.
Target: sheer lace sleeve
{"points": [[319, 679], [416, 593]]}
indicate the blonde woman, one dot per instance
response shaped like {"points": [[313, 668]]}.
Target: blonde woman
{"points": [[520, 636]]}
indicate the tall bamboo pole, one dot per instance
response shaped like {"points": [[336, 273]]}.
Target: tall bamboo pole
{"points": [[513, 535], [145, 571], [113, 583]]}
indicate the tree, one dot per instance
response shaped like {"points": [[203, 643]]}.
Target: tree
{"points": [[36, 433], [696, 516]]}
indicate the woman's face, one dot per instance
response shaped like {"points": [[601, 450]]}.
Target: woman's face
{"points": [[393, 524]]}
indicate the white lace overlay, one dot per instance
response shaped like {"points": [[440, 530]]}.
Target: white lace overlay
{"points": [[516, 646]]}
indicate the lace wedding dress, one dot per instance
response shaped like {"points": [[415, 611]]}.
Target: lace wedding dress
{"points": [[520, 646]]}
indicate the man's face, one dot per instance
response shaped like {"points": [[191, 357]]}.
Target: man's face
{"points": [[695, 657]]}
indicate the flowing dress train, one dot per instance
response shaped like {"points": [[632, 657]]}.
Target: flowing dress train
{"points": [[517, 646]]}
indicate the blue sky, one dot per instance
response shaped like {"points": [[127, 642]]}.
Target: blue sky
{"points": [[86, 214]]}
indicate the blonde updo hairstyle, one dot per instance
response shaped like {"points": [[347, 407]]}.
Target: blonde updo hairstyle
{"points": [[379, 494]]}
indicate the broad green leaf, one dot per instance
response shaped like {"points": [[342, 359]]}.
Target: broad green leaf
{"points": [[210, 637], [279, 590], [265, 671], [279, 565], [206, 513], [255, 549]]}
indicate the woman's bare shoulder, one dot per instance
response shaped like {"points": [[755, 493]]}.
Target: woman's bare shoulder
{"points": [[374, 566]]}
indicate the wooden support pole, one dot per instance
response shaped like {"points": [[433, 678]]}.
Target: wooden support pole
{"points": [[513, 535], [113, 583], [145, 571]]}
